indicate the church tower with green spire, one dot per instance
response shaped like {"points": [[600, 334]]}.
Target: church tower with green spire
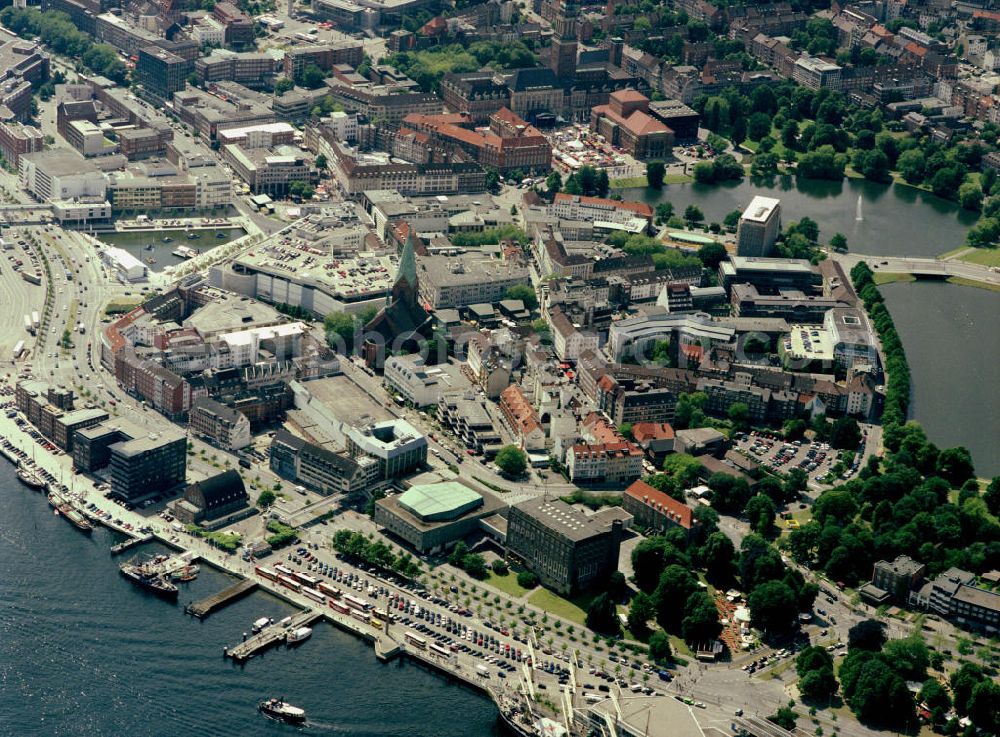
{"points": [[405, 287]]}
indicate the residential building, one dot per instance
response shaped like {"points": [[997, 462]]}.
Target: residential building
{"points": [[148, 465], [17, 139], [626, 122], [655, 510], [221, 425], [759, 227], [212, 502], [433, 517], [208, 113], [614, 463], [568, 341], [953, 595], [23, 68], [467, 418], [521, 419], [142, 143], [568, 550], [815, 74], [417, 383]]}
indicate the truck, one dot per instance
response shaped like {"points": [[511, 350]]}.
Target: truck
{"points": [[28, 326], [36, 321], [483, 670], [18, 349], [81, 328]]}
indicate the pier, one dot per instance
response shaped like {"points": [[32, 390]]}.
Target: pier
{"points": [[206, 606], [127, 544], [271, 635]]}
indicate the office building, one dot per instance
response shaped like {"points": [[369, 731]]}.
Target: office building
{"points": [[567, 549], [396, 445], [451, 281], [148, 465], [321, 469], [61, 175], [237, 24], [432, 517], [161, 73], [266, 170], [615, 463], [897, 578], [221, 425], [759, 227], [415, 382]]}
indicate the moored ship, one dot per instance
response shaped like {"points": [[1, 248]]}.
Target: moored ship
{"points": [[149, 576], [29, 478], [185, 252], [279, 709], [66, 509]]}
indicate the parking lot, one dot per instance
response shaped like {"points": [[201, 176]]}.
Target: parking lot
{"points": [[816, 459]]}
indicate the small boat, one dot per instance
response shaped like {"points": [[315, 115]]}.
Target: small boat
{"points": [[149, 246], [260, 624], [167, 239], [185, 574], [193, 236], [279, 709], [300, 635], [220, 234], [150, 260]]}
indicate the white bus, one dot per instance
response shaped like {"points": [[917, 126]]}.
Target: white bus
{"points": [[416, 640]]}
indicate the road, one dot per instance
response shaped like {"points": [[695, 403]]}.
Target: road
{"points": [[922, 267]]}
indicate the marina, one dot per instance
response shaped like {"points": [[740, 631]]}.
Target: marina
{"points": [[271, 635]]}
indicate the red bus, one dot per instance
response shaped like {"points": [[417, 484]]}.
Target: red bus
{"points": [[266, 573]]}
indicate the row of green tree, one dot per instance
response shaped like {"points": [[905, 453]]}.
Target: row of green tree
{"points": [[356, 545], [58, 32]]}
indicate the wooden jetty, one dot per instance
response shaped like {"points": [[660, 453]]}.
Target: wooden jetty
{"points": [[271, 635], [130, 543], [206, 606]]}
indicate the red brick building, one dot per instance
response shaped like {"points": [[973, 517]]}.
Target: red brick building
{"points": [[508, 143], [626, 122], [654, 509]]}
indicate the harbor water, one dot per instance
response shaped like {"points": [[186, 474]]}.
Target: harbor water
{"points": [[84, 652], [137, 243]]}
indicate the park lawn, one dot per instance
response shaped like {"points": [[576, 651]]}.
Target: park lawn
{"points": [[973, 283], [508, 584], [983, 257], [628, 182], [884, 277], [952, 253], [677, 179], [679, 647], [573, 610]]}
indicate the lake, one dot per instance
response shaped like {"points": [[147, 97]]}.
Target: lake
{"points": [[953, 348], [896, 220]]}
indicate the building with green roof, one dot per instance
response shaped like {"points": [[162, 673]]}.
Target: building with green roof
{"points": [[432, 517]]}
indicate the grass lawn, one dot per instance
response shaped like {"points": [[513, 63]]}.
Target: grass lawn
{"points": [[677, 179], [629, 182], [952, 253], [983, 257], [507, 584], [883, 277], [679, 647], [973, 283], [573, 610]]}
